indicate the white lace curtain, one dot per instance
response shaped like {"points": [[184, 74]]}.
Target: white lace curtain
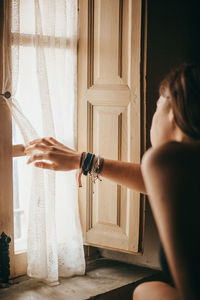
{"points": [[43, 72]]}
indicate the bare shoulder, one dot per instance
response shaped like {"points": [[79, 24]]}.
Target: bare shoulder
{"points": [[171, 172], [172, 157]]}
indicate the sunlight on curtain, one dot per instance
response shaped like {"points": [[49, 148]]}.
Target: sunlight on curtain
{"points": [[44, 65]]}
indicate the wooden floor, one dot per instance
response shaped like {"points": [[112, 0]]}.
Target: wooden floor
{"points": [[104, 279]]}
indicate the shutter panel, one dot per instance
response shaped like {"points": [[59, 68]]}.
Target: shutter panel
{"points": [[109, 116]]}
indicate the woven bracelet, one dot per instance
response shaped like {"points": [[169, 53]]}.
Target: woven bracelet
{"points": [[87, 163]]}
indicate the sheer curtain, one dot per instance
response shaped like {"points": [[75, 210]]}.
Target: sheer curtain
{"points": [[43, 70]]}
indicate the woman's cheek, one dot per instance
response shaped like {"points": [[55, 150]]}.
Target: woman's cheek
{"points": [[153, 131]]}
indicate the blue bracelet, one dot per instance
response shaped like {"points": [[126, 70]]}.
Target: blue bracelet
{"points": [[87, 163]]}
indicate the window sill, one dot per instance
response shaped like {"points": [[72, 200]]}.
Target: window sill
{"points": [[104, 279]]}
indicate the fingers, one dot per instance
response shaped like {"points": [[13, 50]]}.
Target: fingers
{"points": [[41, 147], [54, 141], [44, 165], [46, 144], [40, 156], [59, 157], [60, 145], [45, 141]]}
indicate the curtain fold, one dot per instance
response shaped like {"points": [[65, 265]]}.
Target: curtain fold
{"points": [[43, 43]]}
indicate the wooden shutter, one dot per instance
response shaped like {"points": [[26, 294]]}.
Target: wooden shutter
{"points": [[109, 116]]}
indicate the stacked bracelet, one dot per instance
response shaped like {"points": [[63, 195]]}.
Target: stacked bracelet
{"points": [[90, 164], [87, 163]]}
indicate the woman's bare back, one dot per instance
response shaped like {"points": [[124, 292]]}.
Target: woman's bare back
{"points": [[172, 179]]}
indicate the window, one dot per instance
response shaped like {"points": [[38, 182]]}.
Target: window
{"points": [[109, 123], [41, 51]]}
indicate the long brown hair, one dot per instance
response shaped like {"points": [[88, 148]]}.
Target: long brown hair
{"points": [[182, 87]]}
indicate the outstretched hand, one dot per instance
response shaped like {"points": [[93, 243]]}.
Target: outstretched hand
{"points": [[59, 156]]}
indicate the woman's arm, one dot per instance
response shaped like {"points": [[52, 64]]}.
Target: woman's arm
{"points": [[63, 158], [124, 173]]}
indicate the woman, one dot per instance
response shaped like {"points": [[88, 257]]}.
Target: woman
{"points": [[169, 174]]}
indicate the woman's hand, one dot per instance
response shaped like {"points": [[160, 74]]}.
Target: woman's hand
{"points": [[59, 156]]}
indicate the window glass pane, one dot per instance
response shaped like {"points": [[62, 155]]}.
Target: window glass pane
{"points": [[27, 88], [59, 85], [21, 187], [28, 98], [27, 16]]}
